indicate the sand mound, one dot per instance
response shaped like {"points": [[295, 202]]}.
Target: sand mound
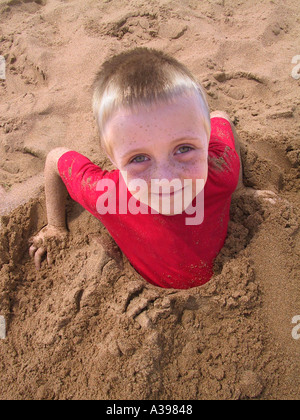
{"points": [[88, 327]]}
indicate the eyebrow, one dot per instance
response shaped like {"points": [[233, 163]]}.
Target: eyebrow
{"points": [[138, 151]]}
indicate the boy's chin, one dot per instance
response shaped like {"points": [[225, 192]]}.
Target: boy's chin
{"points": [[169, 206], [171, 213]]}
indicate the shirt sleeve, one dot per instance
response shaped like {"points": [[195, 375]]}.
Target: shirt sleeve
{"points": [[81, 178], [224, 162]]}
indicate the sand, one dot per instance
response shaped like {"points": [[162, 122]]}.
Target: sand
{"points": [[90, 327]]}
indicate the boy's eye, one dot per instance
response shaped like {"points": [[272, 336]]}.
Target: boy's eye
{"points": [[139, 159], [183, 149]]}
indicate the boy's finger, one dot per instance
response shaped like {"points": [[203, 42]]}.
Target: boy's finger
{"points": [[38, 257], [49, 259], [32, 251]]}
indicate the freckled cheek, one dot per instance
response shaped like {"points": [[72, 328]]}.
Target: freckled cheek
{"points": [[133, 175], [138, 172], [198, 170]]}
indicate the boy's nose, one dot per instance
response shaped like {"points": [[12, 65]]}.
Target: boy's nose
{"points": [[166, 172]]}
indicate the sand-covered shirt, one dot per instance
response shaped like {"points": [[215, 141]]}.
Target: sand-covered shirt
{"points": [[168, 251]]}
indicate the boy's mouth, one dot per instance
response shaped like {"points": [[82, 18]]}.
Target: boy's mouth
{"points": [[168, 194]]}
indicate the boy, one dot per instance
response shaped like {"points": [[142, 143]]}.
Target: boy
{"points": [[155, 125]]}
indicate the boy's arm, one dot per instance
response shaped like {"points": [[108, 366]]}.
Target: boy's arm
{"points": [[56, 194], [222, 114], [266, 195], [55, 190]]}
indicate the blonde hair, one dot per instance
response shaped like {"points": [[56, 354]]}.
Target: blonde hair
{"points": [[143, 76]]}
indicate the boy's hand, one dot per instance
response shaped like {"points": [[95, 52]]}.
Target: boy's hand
{"points": [[266, 196], [40, 244]]}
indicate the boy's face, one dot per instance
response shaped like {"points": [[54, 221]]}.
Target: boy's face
{"points": [[167, 142]]}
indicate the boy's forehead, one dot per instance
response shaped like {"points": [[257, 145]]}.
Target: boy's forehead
{"points": [[182, 116]]}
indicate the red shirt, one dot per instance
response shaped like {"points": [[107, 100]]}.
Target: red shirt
{"points": [[163, 249]]}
